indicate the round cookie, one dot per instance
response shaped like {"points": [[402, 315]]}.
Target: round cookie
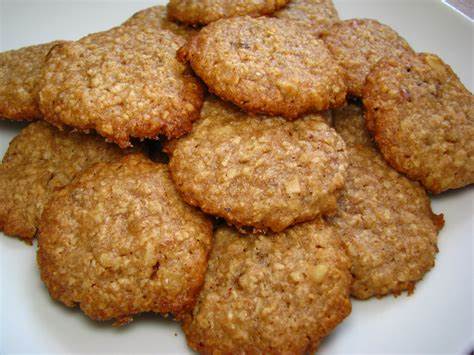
{"points": [[259, 173], [391, 243], [195, 12], [266, 65], [358, 44], [119, 241], [314, 15], [157, 17], [422, 118], [19, 75], [40, 160], [125, 82], [278, 294]]}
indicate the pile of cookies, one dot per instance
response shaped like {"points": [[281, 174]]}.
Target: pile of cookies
{"points": [[246, 166]]}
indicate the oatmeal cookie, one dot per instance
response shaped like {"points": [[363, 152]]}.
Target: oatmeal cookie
{"points": [[384, 219], [40, 160], [125, 82], [266, 65], [157, 17], [259, 173], [202, 12], [119, 241], [358, 44], [277, 294], [20, 71], [313, 15], [422, 118]]}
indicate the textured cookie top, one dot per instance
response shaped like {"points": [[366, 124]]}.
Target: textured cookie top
{"points": [[358, 44], [386, 223], [349, 123], [206, 11], [266, 65], [19, 75], [277, 294], [314, 15], [40, 160], [125, 82], [257, 171], [120, 241], [157, 17], [422, 118]]}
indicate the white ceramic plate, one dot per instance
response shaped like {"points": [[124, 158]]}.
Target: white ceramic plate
{"points": [[436, 319]]}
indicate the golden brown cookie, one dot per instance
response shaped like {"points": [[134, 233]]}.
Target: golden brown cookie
{"points": [[313, 15], [259, 173], [119, 241], [40, 160], [202, 12], [384, 219], [157, 17], [125, 82], [277, 294], [422, 118], [266, 65], [19, 75], [358, 44]]}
